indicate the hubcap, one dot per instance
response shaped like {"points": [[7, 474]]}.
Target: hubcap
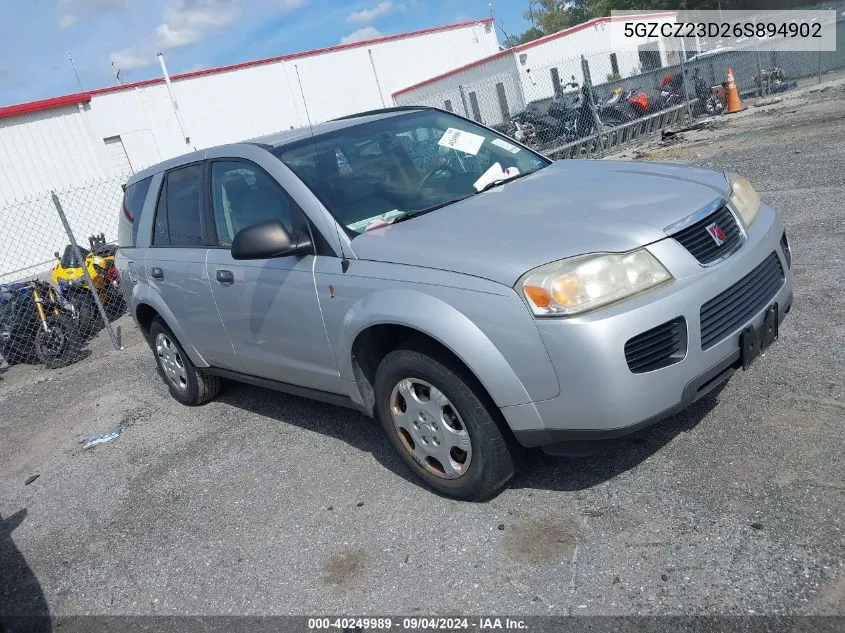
{"points": [[430, 427], [171, 362], [52, 343]]}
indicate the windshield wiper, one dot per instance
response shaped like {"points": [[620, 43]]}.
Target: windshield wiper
{"points": [[413, 214], [501, 181]]}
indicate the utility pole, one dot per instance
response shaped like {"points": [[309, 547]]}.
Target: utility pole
{"points": [[174, 102]]}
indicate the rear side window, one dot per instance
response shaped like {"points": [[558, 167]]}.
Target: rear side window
{"points": [[133, 202], [177, 220]]}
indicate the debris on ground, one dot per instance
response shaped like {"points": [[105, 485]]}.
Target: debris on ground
{"points": [[757, 525], [766, 102], [31, 478], [96, 440]]}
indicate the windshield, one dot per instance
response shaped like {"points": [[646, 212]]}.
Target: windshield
{"points": [[377, 172]]}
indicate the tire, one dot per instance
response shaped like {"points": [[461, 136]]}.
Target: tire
{"points": [[88, 317], [187, 384], [480, 453], [61, 344]]}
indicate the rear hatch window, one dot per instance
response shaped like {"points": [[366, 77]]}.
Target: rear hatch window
{"points": [[133, 202]]}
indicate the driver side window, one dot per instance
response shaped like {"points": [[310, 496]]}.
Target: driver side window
{"points": [[243, 194]]}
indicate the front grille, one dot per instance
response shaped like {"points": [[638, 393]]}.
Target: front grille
{"points": [[787, 254], [730, 310], [702, 245], [658, 347]]}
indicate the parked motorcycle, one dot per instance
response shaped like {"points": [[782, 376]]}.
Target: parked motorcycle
{"points": [[69, 277], [36, 324], [672, 93]]}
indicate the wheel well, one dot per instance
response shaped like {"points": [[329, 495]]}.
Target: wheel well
{"points": [[145, 315], [374, 343]]}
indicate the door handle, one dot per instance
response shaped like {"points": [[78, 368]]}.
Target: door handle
{"points": [[225, 277], [156, 273]]}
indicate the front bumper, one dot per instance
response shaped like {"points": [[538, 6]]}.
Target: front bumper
{"points": [[600, 396]]}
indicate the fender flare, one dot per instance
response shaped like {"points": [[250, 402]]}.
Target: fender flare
{"points": [[442, 322], [141, 295]]}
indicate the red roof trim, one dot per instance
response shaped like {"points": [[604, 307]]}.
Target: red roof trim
{"points": [[537, 42], [44, 104], [270, 60]]}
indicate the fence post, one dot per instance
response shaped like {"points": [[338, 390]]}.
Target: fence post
{"points": [[115, 341], [464, 100], [588, 94], [684, 80]]}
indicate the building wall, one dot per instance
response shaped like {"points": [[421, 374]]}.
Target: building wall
{"points": [[526, 70], [44, 150], [458, 87], [61, 147]]}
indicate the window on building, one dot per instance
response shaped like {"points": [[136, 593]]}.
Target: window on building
{"points": [[649, 57], [556, 80], [476, 111], [503, 100], [177, 220], [614, 64], [448, 105]]}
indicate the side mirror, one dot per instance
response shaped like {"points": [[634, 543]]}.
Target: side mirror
{"points": [[57, 255], [266, 240]]}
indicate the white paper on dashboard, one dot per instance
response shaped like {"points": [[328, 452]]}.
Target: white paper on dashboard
{"points": [[460, 140], [513, 149]]}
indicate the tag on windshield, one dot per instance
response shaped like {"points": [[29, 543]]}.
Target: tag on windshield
{"points": [[513, 149], [466, 142]]}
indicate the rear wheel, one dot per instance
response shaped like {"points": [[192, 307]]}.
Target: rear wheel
{"points": [[187, 384], [443, 425], [60, 343]]}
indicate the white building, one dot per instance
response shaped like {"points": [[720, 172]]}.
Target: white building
{"points": [[67, 141], [490, 89], [83, 145]]}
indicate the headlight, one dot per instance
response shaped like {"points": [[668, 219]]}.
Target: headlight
{"points": [[585, 283], [743, 198]]}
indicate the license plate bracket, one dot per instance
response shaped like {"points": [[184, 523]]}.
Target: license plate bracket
{"points": [[754, 341]]}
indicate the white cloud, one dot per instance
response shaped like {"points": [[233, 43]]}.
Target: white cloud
{"points": [[368, 15], [70, 10], [186, 21], [128, 60], [67, 20], [366, 33]]}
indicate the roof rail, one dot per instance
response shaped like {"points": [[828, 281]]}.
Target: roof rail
{"points": [[383, 111]]}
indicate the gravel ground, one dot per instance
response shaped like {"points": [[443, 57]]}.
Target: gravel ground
{"points": [[260, 503]]}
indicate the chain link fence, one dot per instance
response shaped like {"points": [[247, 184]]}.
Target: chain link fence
{"points": [[59, 286], [590, 105]]}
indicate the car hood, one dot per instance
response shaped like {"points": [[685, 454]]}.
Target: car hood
{"points": [[569, 208]]}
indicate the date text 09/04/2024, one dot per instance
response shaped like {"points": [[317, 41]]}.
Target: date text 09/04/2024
{"points": [[415, 624]]}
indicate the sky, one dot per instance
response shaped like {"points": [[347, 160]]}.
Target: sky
{"points": [[37, 36]]}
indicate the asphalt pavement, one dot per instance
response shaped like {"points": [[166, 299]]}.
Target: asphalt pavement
{"points": [[261, 503]]}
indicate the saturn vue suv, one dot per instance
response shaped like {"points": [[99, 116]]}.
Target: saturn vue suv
{"points": [[473, 296]]}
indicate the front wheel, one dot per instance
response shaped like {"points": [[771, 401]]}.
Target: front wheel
{"points": [[443, 425], [59, 344]]}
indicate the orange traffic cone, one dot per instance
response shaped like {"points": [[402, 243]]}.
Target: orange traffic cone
{"points": [[734, 102]]}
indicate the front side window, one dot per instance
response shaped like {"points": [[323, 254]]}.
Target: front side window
{"points": [[243, 194], [402, 165], [177, 219]]}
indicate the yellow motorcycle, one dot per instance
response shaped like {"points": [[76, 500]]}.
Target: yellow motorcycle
{"points": [[69, 277]]}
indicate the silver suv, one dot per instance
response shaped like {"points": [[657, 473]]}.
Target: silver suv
{"points": [[470, 294]]}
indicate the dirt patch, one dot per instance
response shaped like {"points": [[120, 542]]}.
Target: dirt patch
{"points": [[541, 540], [345, 569]]}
